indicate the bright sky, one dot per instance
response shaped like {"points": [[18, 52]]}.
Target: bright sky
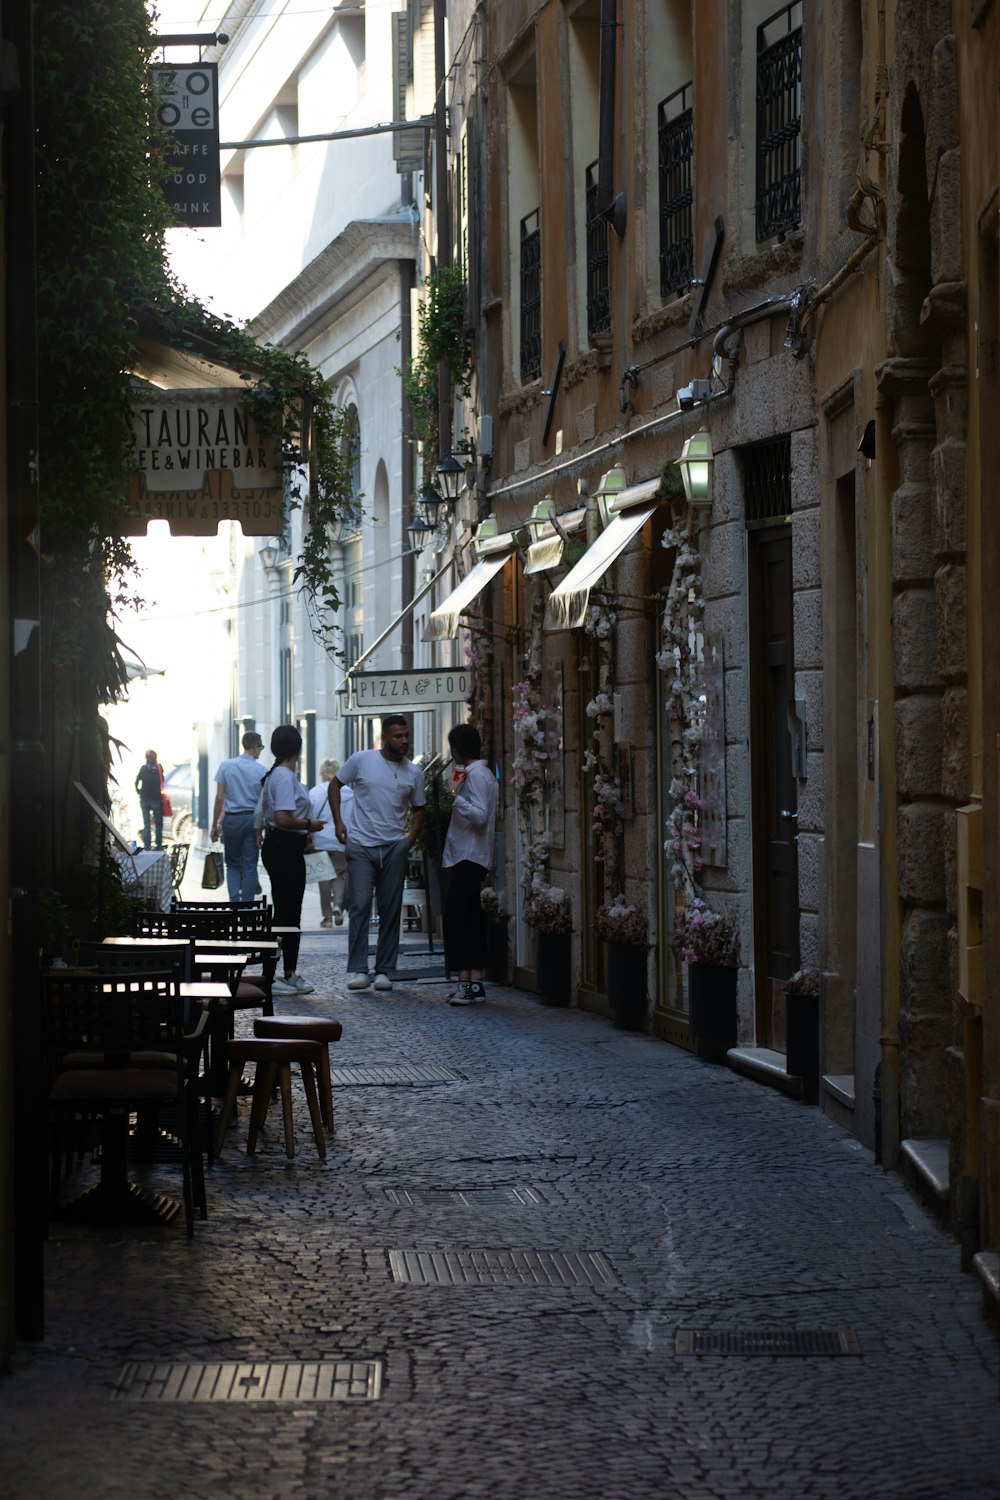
{"points": [[183, 633]]}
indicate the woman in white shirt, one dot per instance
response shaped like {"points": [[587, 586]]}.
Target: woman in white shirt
{"points": [[331, 891], [468, 855], [287, 826]]}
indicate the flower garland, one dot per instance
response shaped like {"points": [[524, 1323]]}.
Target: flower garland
{"points": [[683, 614], [531, 755], [600, 623]]}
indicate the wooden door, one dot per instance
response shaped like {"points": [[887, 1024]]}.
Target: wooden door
{"points": [[775, 812]]}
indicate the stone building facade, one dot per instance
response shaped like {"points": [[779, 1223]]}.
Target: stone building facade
{"points": [[778, 225]]}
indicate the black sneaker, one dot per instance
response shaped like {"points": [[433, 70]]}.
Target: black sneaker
{"points": [[476, 991], [461, 996]]}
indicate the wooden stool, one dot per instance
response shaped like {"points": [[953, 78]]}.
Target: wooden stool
{"points": [[313, 1029], [273, 1059]]}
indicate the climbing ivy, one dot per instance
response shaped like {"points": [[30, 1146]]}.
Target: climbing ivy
{"points": [[101, 275], [441, 339]]}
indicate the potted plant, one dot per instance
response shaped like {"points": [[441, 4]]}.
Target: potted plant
{"points": [[547, 911], [497, 922], [802, 1025], [710, 946], [624, 930]]}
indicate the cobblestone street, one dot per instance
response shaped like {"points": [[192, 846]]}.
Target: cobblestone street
{"points": [[596, 1192]]}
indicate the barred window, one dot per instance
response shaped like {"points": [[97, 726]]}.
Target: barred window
{"points": [[531, 296], [767, 481], [675, 136], [598, 289], [779, 122]]}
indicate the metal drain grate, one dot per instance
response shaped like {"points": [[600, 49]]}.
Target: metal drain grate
{"points": [[370, 1073], [548, 1268], [767, 1341], [470, 1197], [290, 1380]]}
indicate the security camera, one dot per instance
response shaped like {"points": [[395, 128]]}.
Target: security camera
{"points": [[685, 397]]}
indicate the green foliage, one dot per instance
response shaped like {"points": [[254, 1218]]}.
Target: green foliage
{"points": [[437, 818], [101, 275], [441, 340]]}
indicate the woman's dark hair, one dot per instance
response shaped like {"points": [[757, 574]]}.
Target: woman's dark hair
{"points": [[285, 742], [465, 741]]}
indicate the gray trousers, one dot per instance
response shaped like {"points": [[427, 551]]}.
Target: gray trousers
{"points": [[379, 870]]}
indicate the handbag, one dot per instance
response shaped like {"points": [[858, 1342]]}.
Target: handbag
{"points": [[168, 810], [214, 872], [318, 866]]}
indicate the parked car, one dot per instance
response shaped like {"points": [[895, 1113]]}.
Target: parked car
{"points": [[178, 783]]}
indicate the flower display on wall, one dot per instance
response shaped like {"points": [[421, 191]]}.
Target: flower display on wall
{"points": [[531, 756]]}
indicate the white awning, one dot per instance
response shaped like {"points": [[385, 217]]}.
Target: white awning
{"points": [[443, 623], [546, 551], [567, 603]]}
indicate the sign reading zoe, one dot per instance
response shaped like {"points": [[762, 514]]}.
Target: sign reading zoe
{"points": [[187, 107]]}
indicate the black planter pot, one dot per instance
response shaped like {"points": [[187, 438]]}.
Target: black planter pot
{"points": [[496, 949], [625, 971], [552, 967], [802, 1035], [712, 1006]]}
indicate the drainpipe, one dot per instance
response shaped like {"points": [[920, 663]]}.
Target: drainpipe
{"points": [[613, 209], [407, 464], [442, 218]]}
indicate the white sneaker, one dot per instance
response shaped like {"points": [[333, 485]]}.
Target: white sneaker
{"points": [[298, 984], [357, 981], [383, 982], [283, 987], [338, 916]]}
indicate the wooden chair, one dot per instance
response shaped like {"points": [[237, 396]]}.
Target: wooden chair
{"points": [[97, 1027]]}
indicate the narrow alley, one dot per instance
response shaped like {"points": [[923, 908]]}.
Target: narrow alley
{"points": [[525, 1218]]}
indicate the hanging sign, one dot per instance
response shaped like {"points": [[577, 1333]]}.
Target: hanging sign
{"points": [[199, 460], [379, 693], [187, 107]]}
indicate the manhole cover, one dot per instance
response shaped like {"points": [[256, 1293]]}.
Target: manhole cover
{"points": [[470, 1197], [290, 1380], [767, 1341], [371, 1073], [546, 1268]]}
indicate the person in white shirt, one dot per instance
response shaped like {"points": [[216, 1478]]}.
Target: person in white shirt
{"points": [[331, 892], [238, 781], [386, 816], [468, 855], [287, 826]]}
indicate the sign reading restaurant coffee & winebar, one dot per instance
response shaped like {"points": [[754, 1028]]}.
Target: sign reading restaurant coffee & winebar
{"points": [[199, 460]]}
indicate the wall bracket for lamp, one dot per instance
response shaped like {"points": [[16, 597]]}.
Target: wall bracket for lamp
{"points": [[553, 390], [697, 320]]}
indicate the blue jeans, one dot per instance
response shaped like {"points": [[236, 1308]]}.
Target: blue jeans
{"points": [[378, 869], [240, 843], [154, 811]]}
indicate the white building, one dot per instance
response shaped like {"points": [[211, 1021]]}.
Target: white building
{"points": [[321, 250]]}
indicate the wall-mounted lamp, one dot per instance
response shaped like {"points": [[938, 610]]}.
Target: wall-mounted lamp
{"points": [[269, 559], [612, 483], [695, 464], [450, 476], [866, 447], [419, 529]]}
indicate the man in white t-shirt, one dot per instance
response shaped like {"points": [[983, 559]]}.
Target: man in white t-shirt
{"points": [[388, 791], [237, 789]]}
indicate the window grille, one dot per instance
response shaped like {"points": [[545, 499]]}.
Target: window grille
{"points": [[767, 481], [675, 131], [531, 296], [779, 122], [598, 290]]}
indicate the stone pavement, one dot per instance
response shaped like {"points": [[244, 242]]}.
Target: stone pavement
{"points": [[595, 1192]]}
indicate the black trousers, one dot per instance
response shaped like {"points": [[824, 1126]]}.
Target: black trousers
{"points": [[463, 917], [284, 860]]}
